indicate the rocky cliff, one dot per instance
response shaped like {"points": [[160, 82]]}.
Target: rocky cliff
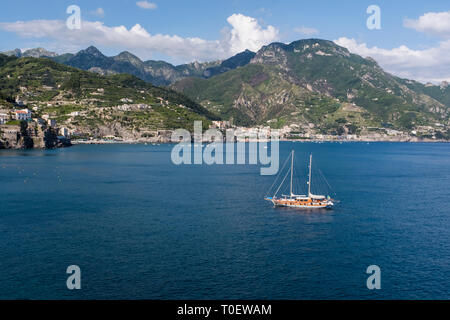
{"points": [[30, 136]]}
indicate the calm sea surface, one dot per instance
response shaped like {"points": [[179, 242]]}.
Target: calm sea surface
{"points": [[140, 227]]}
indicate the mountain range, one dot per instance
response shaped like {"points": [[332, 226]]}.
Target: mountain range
{"points": [[318, 83], [33, 53], [159, 73], [312, 83]]}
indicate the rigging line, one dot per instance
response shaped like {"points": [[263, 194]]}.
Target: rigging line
{"points": [[298, 178], [319, 180], [278, 176], [283, 188], [287, 173], [329, 186]]}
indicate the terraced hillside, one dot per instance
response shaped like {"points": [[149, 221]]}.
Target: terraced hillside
{"points": [[318, 84], [120, 105]]}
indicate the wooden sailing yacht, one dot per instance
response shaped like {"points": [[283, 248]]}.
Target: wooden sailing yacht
{"points": [[309, 201]]}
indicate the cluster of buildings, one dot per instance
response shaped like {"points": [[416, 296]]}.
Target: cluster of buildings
{"points": [[242, 134], [4, 117], [221, 125], [261, 131], [21, 115], [27, 115], [133, 107], [126, 100]]}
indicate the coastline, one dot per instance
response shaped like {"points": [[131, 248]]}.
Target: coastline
{"points": [[154, 143], [149, 142]]}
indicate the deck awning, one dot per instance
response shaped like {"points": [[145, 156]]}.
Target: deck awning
{"points": [[317, 197]]}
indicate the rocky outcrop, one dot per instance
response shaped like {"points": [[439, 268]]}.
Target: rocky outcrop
{"points": [[30, 135], [126, 134]]}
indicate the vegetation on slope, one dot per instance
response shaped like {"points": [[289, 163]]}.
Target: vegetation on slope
{"points": [[59, 90], [317, 82]]}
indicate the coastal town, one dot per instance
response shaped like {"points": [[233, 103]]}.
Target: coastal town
{"points": [[21, 129], [38, 126], [307, 132], [58, 106], [62, 121]]}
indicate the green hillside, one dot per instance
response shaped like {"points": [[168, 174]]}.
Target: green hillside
{"points": [[317, 83], [59, 90]]}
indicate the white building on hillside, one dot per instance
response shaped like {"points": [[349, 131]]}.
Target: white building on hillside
{"points": [[19, 102], [4, 117], [24, 115], [63, 131], [51, 123]]}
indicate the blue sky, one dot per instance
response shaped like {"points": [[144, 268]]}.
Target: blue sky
{"points": [[206, 21]]}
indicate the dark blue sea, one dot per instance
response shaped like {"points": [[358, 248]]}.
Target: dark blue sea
{"points": [[140, 227]]}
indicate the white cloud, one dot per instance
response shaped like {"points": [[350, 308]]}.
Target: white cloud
{"points": [[147, 5], [306, 31], [431, 64], [248, 34], [245, 33], [99, 12], [434, 23]]}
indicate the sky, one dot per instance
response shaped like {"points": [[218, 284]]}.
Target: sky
{"points": [[413, 40]]}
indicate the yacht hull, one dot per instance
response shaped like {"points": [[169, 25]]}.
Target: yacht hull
{"points": [[301, 204]]}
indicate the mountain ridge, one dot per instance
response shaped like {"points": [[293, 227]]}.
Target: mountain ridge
{"points": [[160, 73], [315, 82], [309, 83], [31, 53], [207, 68]]}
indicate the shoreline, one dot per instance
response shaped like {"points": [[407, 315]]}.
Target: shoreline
{"points": [[100, 142], [157, 143]]}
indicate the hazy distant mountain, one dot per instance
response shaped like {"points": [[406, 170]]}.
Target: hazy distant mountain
{"points": [[33, 53], [13, 53], [89, 58], [239, 60], [156, 72]]}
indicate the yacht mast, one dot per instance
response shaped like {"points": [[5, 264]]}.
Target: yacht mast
{"points": [[310, 176], [292, 171]]}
